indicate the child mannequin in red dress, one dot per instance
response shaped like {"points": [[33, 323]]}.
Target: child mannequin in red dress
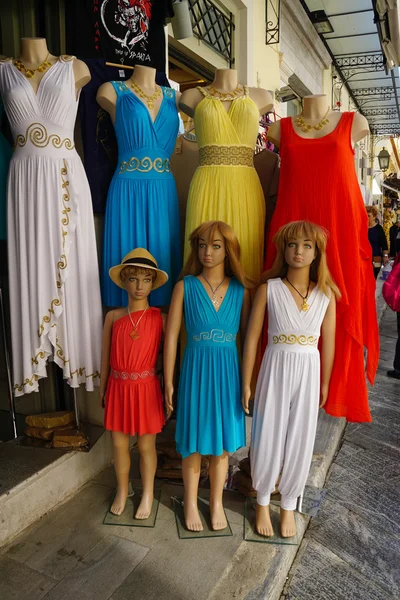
{"points": [[129, 387]]}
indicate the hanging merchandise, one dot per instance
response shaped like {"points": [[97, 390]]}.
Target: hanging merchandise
{"points": [[142, 205], [55, 300], [318, 183], [226, 186], [125, 32]]}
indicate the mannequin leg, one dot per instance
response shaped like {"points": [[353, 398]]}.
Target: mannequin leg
{"points": [[122, 465], [148, 466], [217, 473], [263, 517], [191, 475]]}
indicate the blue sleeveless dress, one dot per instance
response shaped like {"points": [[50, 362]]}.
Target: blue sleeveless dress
{"points": [[142, 205], [210, 418]]}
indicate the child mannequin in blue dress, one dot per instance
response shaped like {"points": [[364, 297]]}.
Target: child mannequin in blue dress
{"points": [[214, 297]]}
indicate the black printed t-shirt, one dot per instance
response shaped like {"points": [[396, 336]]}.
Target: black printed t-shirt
{"points": [[125, 32]]}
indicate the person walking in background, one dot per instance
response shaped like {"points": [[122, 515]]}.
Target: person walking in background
{"points": [[377, 239], [394, 234]]}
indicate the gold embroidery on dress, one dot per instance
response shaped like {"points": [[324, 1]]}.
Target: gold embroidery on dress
{"points": [[66, 57], [291, 339], [20, 386], [34, 359], [144, 165], [217, 156], [37, 134]]}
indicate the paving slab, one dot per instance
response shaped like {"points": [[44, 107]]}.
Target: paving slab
{"points": [[19, 582], [55, 545], [101, 571], [321, 575]]}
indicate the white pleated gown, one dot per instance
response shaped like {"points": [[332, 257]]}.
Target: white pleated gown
{"points": [[287, 396], [55, 301]]}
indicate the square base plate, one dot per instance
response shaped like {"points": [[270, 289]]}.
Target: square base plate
{"points": [[127, 517], [249, 526], [204, 510]]}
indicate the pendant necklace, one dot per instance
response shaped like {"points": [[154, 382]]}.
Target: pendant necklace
{"points": [[134, 334], [305, 305], [29, 73], [214, 299], [306, 127], [149, 99]]}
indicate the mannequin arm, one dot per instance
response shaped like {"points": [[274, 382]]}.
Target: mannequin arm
{"points": [[360, 128], [81, 74], [274, 133], [171, 343], [250, 347], [189, 100], [328, 331], [107, 98], [105, 355], [263, 99], [245, 314]]}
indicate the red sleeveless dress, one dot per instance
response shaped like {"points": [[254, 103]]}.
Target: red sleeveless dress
{"points": [[318, 183], [134, 401]]}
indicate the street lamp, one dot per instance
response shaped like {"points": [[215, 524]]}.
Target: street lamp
{"points": [[321, 22], [383, 159]]}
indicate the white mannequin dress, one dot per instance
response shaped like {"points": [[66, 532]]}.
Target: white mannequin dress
{"points": [[287, 396], [54, 280]]}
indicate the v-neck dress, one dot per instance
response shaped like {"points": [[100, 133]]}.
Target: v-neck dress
{"points": [[142, 208], [226, 187], [55, 301], [210, 418], [287, 394]]}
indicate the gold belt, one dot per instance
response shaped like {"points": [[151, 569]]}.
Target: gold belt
{"points": [[144, 165], [292, 338], [241, 156]]}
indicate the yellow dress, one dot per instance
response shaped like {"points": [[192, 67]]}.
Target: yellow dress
{"points": [[226, 187]]}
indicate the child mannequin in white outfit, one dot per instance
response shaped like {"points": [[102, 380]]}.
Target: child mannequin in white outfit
{"points": [[299, 294]]}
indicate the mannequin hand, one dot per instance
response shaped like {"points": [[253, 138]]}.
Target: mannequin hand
{"points": [[168, 394], [323, 395], [385, 260], [102, 398], [245, 398]]}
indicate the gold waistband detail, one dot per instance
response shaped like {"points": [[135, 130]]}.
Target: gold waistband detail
{"points": [[144, 165], [37, 134], [218, 156], [291, 339]]}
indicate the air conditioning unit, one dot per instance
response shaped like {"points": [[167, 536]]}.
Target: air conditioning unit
{"points": [[286, 94]]}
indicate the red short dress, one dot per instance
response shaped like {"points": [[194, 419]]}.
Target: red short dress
{"points": [[134, 402], [318, 183]]}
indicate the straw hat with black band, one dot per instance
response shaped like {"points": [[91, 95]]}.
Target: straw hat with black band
{"points": [[138, 258]]}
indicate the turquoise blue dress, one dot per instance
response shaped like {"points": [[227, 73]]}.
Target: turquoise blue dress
{"points": [[142, 205], [210, 418]]}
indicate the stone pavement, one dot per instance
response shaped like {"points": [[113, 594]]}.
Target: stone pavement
{"points": [[351, 549]]}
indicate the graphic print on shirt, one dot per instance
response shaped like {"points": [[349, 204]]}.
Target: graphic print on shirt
{"points": [[133, 17]]}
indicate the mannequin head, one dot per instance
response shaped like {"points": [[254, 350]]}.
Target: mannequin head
{"points": [[306, 242], [372, 213], [211, 243], [138, 281]]}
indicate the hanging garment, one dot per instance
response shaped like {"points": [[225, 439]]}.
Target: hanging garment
{"points": [[134, 401], [100, 150], [318, 182], [142, 205], [226, 186], [287, 396], [210, 418], [54, 280], [126, 32], [5, 157]]}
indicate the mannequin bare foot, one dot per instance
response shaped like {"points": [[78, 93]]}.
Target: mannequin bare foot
{"points": [[118, 506], [145, 506], [288, 523], [263, 521], [192, 517], [218, 519]]}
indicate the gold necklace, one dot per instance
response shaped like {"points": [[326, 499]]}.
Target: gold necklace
{"points": [[29, 73], [306, 127], [305, 305], [214, 298], [225, 96], [134, 334], [148, 99]]}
